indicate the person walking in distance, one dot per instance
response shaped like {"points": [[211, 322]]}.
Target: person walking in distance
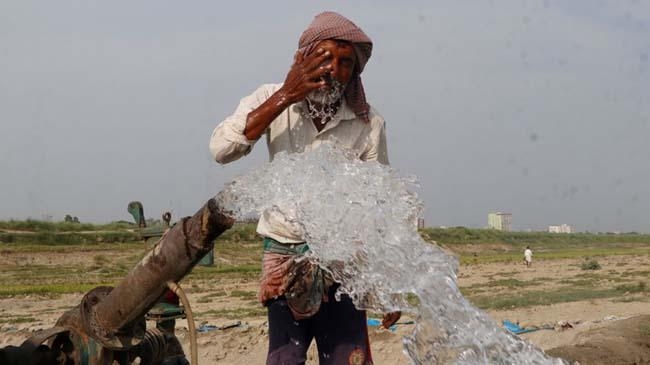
{"points": [[528, 256]]}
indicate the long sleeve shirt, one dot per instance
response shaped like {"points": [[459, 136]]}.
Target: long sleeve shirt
{"points": [[292, 131]]}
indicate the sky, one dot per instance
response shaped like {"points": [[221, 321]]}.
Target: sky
{"points": [[537, 108]]}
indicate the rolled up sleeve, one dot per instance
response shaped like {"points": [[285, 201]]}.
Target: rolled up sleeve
{"points": [[228, 142]]}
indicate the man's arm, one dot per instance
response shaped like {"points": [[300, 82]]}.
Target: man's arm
{"points": [[303, 77], [228, 142], [235, 136]]}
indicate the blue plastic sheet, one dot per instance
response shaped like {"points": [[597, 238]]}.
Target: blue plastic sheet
{"points": [[516, 329], [374, 322]]}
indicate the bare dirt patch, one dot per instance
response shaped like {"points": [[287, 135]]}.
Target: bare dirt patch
{"points": [[618, 324]]}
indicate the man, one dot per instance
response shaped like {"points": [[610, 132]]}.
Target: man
{"points": [[322, 99], [528, 256]]}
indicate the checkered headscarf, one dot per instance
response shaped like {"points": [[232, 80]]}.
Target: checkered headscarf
{"points": [[331, 25]]}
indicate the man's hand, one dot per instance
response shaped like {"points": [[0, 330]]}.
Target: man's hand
{"points": [[305, 75], [390, 319]]}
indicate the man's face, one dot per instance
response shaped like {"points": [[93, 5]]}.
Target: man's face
{"points": [[342, 59], [342, 62]]}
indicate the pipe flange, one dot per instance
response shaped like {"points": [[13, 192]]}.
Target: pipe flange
{"points": [[114, 339]]}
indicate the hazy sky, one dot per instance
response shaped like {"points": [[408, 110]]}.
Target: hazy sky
{"points": [[539, 108]]}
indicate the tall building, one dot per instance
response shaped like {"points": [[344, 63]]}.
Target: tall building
{"points": [[562, 228], [500, 221]]}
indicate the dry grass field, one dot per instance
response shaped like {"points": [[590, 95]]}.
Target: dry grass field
{"points": [[42, 281]]}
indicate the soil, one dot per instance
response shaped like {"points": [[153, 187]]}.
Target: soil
{"points": [[603, 331]]}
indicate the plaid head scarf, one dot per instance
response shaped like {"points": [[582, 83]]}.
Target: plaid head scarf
{"points": [[330, 25]]}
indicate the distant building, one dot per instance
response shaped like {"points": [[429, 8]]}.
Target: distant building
{"points": [[562, 228], [420, 223], [500, 221]]}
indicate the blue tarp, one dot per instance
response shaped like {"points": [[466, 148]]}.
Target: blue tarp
{"points": [[204, 327], [373, 322], [516, 329]]}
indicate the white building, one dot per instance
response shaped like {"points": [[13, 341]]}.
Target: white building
{"points": [[500, 221], [562, 228]]}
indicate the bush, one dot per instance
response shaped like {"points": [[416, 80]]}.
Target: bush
{"points": [[590, 265]]}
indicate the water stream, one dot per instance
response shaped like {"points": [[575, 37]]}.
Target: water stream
{"points": [[359, 219]]}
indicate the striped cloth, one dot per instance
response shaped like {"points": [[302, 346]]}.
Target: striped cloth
{"points": [[286, 272], [331, 25]]}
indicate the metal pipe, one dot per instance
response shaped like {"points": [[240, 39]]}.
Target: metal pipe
{"points": [[108, 325]]}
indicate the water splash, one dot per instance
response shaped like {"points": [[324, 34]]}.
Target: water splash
{"points": [[359, 219]]}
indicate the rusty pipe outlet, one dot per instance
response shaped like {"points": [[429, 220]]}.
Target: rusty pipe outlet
{"points": [[115, 317]]}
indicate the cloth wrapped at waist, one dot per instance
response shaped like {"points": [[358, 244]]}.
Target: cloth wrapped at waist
{"points": [[287, 272]]}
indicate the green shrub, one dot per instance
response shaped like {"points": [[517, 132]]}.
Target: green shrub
{"points": [[590, 265]]}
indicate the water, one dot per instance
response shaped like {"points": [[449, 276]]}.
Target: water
{"points": [[359, 219]]}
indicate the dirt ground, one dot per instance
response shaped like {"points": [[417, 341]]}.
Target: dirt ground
{"points": [[601, 331]]}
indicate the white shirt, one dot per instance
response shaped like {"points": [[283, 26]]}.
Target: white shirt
{"points": [[292, 132], [528, 254]]}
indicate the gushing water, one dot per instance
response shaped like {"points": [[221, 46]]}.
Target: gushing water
{"points": [[359, 219], [320, 101]]}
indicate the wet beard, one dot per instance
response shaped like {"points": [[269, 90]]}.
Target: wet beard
{"points": [[322, 104]]}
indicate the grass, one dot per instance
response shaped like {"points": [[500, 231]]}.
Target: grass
{"points": [[510, 283], [222, 273], [68, 238], [108, 263], [543, 297], [51, 290], [639, 287], [247, 295], [238, 259], [234, 313], [209, 297], [462, 235], [630, 299], [644, 273], [476, 289], [33, 225], [17, 319], [579, 282], [517, 299], [644, 329], [69, 247], [557, 254]]}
